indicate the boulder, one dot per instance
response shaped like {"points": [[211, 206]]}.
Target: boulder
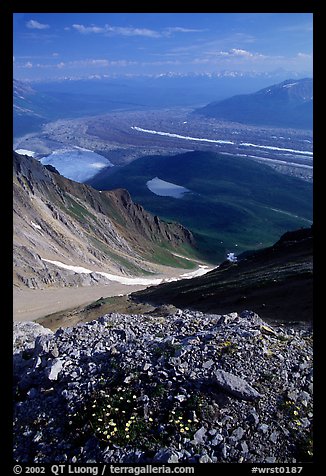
{"points": [[235, 386]]}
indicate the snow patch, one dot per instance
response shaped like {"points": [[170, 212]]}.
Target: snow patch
{"points": [[202, 269], [232, 257], [25, 152], [97, 165], [166, 189], [34, 225], [178, 136], [269, 147], [289, 85]]}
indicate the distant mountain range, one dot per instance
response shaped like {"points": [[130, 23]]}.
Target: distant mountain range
{"points": [[275, 282], [231, 204], [40, 102], [58, 220], [287, 104]]}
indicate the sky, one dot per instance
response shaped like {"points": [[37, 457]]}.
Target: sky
{"points": [[57, 45]]}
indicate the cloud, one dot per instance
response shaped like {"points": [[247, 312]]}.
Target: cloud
{"points": [[239, 52], [88, 29], [234, 52], [97, 62], [131, 31], [116, 30], [122, 63], [179, 29], [128, 31], [82, 63], [304, 56], [299, 27], [70, 64], [35, 25]]}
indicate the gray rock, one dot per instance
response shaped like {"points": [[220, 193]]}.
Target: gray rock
{"points": [[263, 428], [305, 422], [205, 459], [166, 455], [253, 418], [273, 437], [25, 334], [180, 398], [208, 364], [84, 360], [252, 317], [217, 439], [43, 343], [212, 431], [224, 450], [54, 352], [238, 433], [244, 447], [200, 436], [54, 370], [304, 397], [235, 386]]}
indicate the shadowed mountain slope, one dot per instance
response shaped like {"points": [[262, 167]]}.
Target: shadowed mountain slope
{"points": [[231, 203], [275, 282]]}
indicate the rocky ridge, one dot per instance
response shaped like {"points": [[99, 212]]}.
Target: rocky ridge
{"points": [[168, 387], [276, 282]]}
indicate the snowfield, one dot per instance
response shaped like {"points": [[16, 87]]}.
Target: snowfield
{"points": [[76, 164]]}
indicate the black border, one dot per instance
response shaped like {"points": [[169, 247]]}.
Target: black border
{"points": [[7, 8]]}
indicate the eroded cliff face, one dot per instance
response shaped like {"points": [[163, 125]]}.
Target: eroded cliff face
{"points": [[60, 220]]}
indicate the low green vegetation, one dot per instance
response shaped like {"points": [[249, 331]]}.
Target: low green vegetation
{"points": [[130, 408], [169, 256], [295, 412], [76, 210]]}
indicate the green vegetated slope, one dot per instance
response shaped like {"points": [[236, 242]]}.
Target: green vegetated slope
{"points": [[235, 203]]}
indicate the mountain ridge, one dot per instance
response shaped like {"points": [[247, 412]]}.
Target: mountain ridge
{"points": [[276, 282], [60, 220], [286, 104]]}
